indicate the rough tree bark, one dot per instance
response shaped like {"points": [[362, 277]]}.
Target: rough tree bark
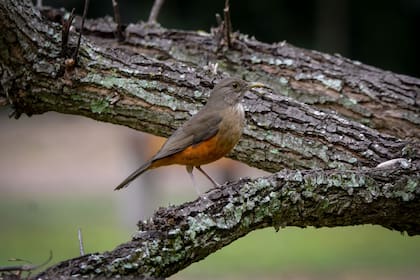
{"points": [[359, 117]]}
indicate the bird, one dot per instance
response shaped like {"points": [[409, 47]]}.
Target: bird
{"points": [[207, 136]]}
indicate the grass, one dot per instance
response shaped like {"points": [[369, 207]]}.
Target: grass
{"points": [[30, 227], [319, 251]]}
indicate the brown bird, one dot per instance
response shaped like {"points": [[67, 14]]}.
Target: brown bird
{"points": [[207, 136]]}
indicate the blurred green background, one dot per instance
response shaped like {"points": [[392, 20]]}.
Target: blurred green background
{"points": [[57, 172], [31, 226]]}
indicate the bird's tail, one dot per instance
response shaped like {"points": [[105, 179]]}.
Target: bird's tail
{"points": [[133, 176]]}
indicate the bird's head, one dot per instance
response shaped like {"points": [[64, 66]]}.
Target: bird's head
{"points": [[230, 91]]}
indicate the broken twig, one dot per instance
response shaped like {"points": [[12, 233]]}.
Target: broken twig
{"points": [[76, 52], [117, 19], [155, 11], [25, 267], [228, 24], [65, 33], [80, 237]]}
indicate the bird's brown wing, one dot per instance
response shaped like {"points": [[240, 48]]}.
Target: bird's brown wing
{"points": [[199, 128]]}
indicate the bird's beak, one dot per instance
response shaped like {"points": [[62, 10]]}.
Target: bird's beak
{"points": [[257, 85]]}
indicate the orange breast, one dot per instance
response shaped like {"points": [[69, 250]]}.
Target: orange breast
{"points": [[230, 130], [199, 154]]}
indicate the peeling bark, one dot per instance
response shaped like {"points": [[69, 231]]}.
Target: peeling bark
{"points": [[158, 78]]}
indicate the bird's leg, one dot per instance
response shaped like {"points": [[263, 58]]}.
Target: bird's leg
{"points": [[190, 172], [217, 185]]}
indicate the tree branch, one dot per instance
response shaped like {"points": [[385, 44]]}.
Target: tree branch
{"points": [[177, 236], [156, 93], [159, 77]]}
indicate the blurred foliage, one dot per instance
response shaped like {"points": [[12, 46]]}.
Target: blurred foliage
{"points": [[314, 251], [32, 226]]}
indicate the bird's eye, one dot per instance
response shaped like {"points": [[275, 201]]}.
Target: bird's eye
{"points": [[235, 85]]}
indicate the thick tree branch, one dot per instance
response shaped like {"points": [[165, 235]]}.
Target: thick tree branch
{"points": [[380, 99], [148, 92], [159, 77], [386, 101], [180, 235]]}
